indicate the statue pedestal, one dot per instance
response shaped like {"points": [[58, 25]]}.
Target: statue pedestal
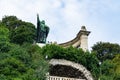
{"points": [[41, 44]]}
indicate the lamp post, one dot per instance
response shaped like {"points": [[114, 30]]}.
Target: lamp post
{"points": [[46, 57], [100, 69]]}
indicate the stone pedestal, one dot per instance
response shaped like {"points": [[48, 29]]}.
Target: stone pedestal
{"points": [[83, 35], [41, 44]]}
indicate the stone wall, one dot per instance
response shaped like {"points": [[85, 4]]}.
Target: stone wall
{"points": [[80, 67]]}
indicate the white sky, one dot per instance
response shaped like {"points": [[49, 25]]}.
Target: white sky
{"points": [[65, 17]]}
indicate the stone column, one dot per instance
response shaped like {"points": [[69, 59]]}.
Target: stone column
{"points": [[83, 35]]}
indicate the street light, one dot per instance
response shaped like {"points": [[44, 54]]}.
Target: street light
{"points": [[100, 69], [46, 57]]}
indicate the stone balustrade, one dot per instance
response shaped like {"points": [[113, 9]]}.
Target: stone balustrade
{"points": [[61, 78]]}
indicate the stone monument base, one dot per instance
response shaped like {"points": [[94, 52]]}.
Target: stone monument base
{"points": [[41, 44]]}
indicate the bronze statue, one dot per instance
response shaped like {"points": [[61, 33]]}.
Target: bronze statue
{"points": [[42, 31]]}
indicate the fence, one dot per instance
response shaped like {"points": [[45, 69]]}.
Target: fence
{"points": [[61, 78]]}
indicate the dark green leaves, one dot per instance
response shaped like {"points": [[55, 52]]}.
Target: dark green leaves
{"points": [[20, 31], [106, 50]]}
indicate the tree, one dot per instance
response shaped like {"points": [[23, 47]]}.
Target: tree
{"points": [[11, 22], [106, 50], [39, 65], [116, 62], [107, 70], [4, 34], [23, 63], [23, 34], [20, 31], [20, 62], [4, 39], [12, 68]]}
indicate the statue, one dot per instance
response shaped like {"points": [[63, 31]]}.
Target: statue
{"points": [[42, 31]]}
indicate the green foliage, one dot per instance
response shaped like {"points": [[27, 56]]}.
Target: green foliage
{"points": [[20, 54], [53, 51], [4, 40], [106, 50], [110, 69], [107, 68], [11, 22], [39, 65], [73, 54], [4, 47], [20, 31], [108, 54], [4, 34], [117, 77], [116, 62], [12, 67], [105, 71], [106, 78], [21, 63], [21, 35]]}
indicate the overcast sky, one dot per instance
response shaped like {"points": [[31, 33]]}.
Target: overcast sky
{"points": [[65, 17]]}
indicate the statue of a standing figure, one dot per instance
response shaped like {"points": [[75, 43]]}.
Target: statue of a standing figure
{"points": [[42, 31]]}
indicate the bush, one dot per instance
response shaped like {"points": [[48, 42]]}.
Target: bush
{"points": [[73, 54]]}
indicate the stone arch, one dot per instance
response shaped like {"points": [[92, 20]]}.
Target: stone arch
{"points": [[80, 67]]}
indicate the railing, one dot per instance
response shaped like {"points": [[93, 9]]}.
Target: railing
{"points": [[61, 78]]}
